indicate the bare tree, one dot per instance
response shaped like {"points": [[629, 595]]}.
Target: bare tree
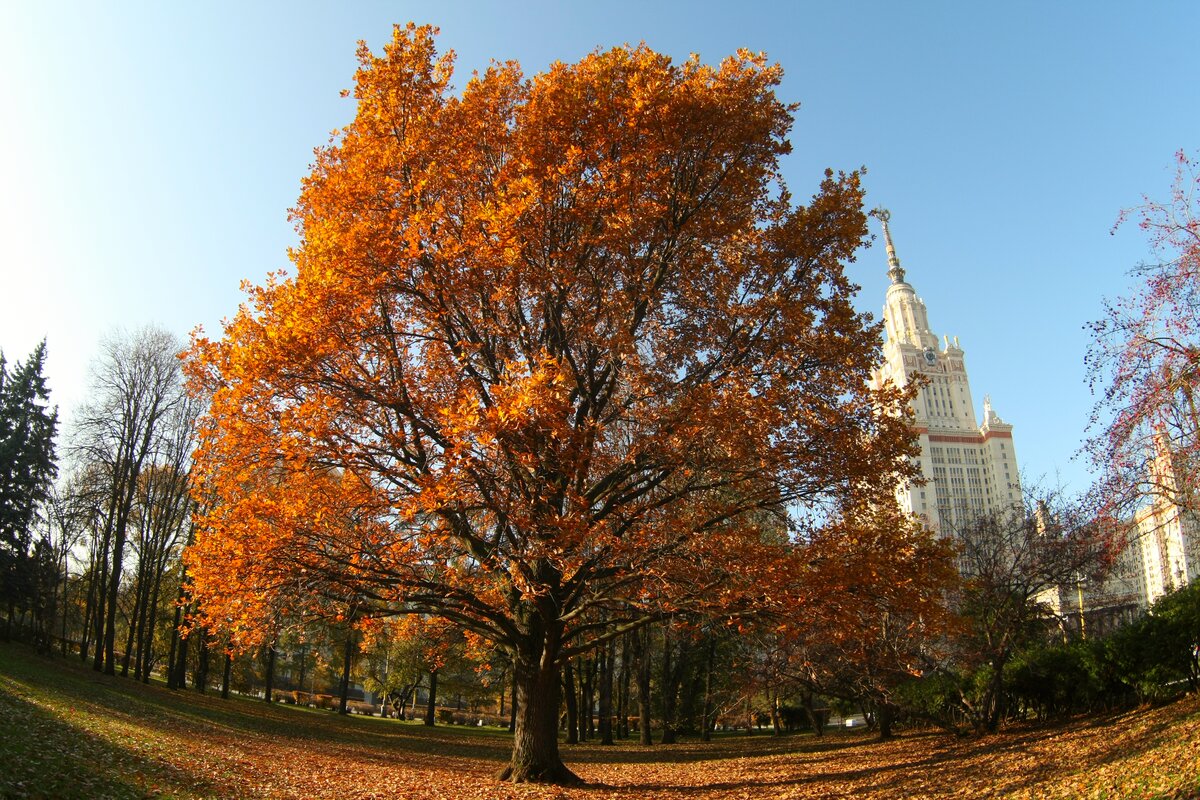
{"points": [[136, 388], [1011, 560], [163, 508]]}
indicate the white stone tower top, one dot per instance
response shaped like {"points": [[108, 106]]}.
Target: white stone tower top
{"points": [[895, 272], [904, 314]]}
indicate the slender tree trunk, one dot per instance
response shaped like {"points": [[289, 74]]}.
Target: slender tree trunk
{"points": [[669, 694], [707, 712], [568, 679], [269, 692], [177, 656], [134, 633], [345, 685], [145, 583], [643, 686], [431, 708], [146, 649], [181, 669], [201, 678], [995, 706], [512, 706], [623, 704], [303, 666], [585, 698], [101, 599], [88, 612], [114, 588], [226, 675], [605, 698], [65, 604]]}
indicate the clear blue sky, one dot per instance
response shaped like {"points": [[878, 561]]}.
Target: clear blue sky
{"points": [[150, 152]]}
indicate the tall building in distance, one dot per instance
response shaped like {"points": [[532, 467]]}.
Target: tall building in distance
{"points": [[1168, 530], [969, 468], [1161, 555]]}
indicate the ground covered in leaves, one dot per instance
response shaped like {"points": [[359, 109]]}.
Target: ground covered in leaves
{"points": [[66, 732]]}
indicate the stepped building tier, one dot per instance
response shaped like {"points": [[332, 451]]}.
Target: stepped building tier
{"points": [[969, 468]]}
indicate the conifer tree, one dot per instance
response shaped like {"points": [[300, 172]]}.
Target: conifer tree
{"points": [[27, 469]]}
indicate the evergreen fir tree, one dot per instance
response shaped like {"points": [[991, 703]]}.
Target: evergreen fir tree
{"points": [[27, 470]]}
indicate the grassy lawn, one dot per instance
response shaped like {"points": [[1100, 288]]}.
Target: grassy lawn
{"points": [[66, 732]]}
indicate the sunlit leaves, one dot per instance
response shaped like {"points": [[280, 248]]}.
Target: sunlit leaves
{"points": [[553, 347]]}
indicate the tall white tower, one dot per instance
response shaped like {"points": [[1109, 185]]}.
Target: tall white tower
{"points": [[969, 468]]}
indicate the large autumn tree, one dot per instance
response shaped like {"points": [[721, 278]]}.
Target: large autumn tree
{"points": [[554, 349]]}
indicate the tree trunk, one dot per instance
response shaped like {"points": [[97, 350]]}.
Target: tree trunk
{"points": [[606, 690], [226, 675], [88, 613], [98, 608], [512, 705], [114, 588], [643, 686], [886, 714], [431, 708], [177, 660], [345, 686], [65, 604], [706, 713], [201, 679], [568, 680], [776, 717], [585, 698], [303, 666], [146, 649], [269, 692], [811, 711], [623, 694], [669, 695], [995, 705], [535, 757], [135, 622], [177, 656]]}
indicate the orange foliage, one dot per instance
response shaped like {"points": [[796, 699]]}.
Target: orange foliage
{"points": [[875, 611], [552, 345]]}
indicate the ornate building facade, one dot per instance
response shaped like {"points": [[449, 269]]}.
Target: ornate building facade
{"points": [[969, 468], [1167, 540]]}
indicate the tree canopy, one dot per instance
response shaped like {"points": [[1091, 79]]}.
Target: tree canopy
{"points": [[560, 355]]}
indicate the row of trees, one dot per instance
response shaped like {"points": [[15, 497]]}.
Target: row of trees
{"points": [[92, 561]]}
